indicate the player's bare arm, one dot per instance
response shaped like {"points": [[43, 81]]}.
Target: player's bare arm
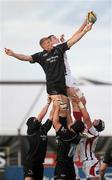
{"points": [[69, 119], [84, 111], [62, 39], [21, 57], [44, 110], [51, 114], [77, 36], [82, 26]]}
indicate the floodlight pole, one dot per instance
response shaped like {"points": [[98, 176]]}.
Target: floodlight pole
{"points": [[19, 149]]}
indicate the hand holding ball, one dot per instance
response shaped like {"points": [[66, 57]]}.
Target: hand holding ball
{"points": [[91, 17]]}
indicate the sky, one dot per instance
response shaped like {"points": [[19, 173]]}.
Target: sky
{"points": [[22, 24]]}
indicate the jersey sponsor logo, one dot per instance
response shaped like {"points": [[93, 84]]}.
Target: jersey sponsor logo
{"points": [[54, 92], [63, 129], [63, 175], [44, 137], [52, 59], [44, 55]]}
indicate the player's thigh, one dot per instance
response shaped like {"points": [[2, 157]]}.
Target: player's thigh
{"points": [[59, 97], [71, 91], [63, 103]]}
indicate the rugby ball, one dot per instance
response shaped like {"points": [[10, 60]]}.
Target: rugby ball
{"points": [[91, 17]]}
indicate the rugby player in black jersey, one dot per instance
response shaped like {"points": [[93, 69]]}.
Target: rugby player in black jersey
{"points": [[51, 60], [68, 137], [37, 140]]}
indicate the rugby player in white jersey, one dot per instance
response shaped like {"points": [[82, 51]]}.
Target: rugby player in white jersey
{"points": [[88, 143]]}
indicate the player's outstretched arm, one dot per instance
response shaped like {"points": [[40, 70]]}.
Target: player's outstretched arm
{"points": [[62, 38], [77, 36], [21, 57], [44, 110], [84, 111], [82, 26]]}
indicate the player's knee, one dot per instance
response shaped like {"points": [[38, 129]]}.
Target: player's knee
{"points": [[63, 106]]}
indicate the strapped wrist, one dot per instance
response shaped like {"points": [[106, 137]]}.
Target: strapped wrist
{"points": [[81, 106], [84, 30]]}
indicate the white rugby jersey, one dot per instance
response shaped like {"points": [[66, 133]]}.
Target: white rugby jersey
{"points": [[88, 145], [69, 79], [67, 66]]}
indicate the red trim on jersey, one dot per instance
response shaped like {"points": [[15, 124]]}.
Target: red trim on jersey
{"points": [[77, 116], [90, 142], [92, 170]]}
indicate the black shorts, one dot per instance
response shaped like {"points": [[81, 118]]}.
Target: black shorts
{"points": [[57, 88], [35, 172], [64, 170]]}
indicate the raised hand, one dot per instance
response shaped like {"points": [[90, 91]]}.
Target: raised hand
{"points": [[9, 52], [49, 100], [76, 99], [91, 16], [62, 39], [88, 27]]}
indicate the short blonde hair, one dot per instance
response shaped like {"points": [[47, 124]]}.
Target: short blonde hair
{"points": [[42, 40]]}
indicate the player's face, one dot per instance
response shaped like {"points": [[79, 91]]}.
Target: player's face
{"points": [[47, 45], [54, 40], [96, 122]]}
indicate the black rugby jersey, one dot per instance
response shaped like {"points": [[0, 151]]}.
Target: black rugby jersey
{"points": [[52, 63], [66, 135], [37, 143]]}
